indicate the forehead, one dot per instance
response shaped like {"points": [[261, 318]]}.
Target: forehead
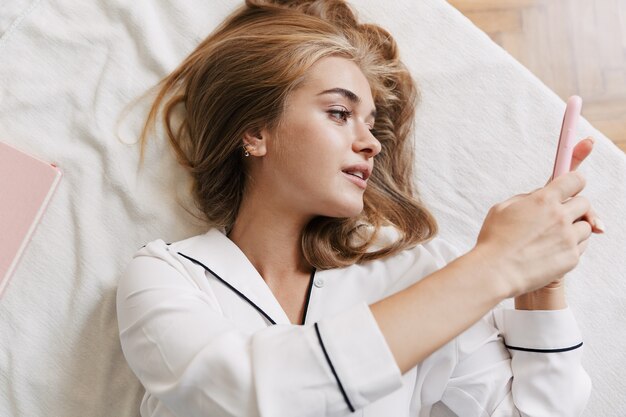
{"points": [[337, 72]]}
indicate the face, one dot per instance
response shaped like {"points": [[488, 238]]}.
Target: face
{"points": [[319, 158]]}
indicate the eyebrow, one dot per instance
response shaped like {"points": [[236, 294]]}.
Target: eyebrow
{"points": [[347, 94]]}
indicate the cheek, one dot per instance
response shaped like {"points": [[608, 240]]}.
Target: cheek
{"points": [[310, 153], [312, 148]]}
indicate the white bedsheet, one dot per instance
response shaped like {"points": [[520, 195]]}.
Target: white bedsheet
{"points": [[486, 129]]}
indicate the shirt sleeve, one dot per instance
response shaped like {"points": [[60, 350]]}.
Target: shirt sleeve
{"points": [[518, 363], [193, 359], [546, 359]]}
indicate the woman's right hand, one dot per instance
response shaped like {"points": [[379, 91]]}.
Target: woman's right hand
{"points": [[536, 238]]}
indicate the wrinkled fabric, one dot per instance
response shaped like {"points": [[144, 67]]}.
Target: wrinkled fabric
{"points": [[200, 346]]}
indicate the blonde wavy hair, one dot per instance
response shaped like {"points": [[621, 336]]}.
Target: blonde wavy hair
{"points": [[238, 80]]}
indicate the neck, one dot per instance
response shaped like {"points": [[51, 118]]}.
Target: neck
{"points": [[271, 240]]}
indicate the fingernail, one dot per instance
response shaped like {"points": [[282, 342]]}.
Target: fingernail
{"points": [[598, 224], [591, 139]]}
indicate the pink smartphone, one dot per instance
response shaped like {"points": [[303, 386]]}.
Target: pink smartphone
{"points": [[563, 159]]}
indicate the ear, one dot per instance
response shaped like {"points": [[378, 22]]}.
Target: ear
{"points": [[255, 142]]}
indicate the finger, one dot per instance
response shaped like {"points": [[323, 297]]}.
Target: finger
{"points": [[582, 231], [581, 151], [582, 246], [594, 220], [577, 208], [565, 186]]}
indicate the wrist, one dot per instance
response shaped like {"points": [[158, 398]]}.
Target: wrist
{"points": [[497, 269], [494, 270], [550, 297]]}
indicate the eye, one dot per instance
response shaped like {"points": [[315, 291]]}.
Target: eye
{"points": [[340, 114]]}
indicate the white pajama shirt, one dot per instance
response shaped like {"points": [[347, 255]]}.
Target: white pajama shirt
{"points": [[204, 334]]}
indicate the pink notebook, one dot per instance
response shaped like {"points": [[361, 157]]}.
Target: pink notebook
{"points": [[26, 186]]}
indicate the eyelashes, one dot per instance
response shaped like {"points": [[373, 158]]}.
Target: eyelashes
{"points": [[342, 115]]}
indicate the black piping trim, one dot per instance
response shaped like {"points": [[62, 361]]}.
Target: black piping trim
{"points": [[143, 246], [332, 368], [231, 287], [545, 350], [308, 296]]}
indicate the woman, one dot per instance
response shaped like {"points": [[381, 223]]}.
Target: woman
{"points": [[320, 287]]}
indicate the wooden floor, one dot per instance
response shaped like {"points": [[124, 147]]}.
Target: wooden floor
{"points": [[573, 46]]}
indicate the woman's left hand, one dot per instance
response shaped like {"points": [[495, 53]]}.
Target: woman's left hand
{"points": [[552, 296]]}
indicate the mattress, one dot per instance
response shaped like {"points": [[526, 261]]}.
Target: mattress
{"points": [[486, 129]]}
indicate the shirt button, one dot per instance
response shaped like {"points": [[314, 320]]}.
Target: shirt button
{"points": [[319, 282]]}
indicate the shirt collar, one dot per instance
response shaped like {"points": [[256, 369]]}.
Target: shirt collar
{"points": [[214, 250]]}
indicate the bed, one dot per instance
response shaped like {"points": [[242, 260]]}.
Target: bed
{"points": [[485, 130]]}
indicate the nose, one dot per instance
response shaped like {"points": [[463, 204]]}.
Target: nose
{"points": [[366, 142]]}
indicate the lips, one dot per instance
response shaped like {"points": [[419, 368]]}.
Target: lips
{"points": [[358, 174], [361, 171]]}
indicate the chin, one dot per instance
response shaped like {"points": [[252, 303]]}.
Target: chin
{"points": [[345, 209]]}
